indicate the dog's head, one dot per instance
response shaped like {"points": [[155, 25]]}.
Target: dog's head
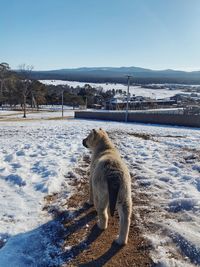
{"points": [[93, 139]]}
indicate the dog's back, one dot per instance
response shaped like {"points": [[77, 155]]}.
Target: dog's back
{"points": [[112, 175]]}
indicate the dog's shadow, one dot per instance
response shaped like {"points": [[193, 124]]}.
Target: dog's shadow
{"points": [[103, 259], [43, 246], [94, 233]]}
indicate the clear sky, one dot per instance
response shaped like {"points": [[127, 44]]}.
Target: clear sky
{"points": [[54, 34]]}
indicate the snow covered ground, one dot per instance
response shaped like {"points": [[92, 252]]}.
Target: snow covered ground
{"points": [[37, 155], [50, 113], [166, 164], [136, 90]]}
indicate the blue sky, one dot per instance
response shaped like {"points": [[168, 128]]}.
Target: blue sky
{"points": [[54, 34]]}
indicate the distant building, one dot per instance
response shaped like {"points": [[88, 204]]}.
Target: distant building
{"points": [[192, 110], [138, 102]]}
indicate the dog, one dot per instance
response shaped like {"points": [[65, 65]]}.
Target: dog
{"points": [[110, 183]]}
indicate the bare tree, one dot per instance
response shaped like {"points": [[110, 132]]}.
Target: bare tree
{"points": [[11, 94], [4, 69], [38, 92], [25, 75]]}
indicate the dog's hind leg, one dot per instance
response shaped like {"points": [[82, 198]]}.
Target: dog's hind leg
{"points": [[124, 224], [91, 201], [102, 210]]}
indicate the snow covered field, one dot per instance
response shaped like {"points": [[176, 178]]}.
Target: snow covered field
{"points": [[36, 157], [136, 90], [51, 113]]}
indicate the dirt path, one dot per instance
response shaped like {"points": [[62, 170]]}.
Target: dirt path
{"points": [[86, 245]]}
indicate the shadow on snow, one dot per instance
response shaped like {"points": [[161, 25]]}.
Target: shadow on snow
{"points": [[43, 246]]}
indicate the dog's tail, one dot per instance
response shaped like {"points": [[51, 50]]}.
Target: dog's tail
{"points": [[113, 180]]}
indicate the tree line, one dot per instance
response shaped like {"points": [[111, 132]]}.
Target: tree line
{"points": [[18, 88]]}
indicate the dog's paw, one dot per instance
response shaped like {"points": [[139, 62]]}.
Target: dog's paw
{"points": [[86, 205], [120, 242], [90, 203], [101, 226]]}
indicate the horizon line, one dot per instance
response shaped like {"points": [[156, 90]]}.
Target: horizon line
{"points": [[74, 68]]}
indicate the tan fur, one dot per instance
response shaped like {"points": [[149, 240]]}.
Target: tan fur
{"points": [[106, 162]]}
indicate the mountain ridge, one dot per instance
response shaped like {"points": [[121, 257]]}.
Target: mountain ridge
{"points": [[130, 68], [118, 74]]}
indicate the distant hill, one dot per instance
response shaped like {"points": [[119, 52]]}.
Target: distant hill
{"points": [[118, 75]]}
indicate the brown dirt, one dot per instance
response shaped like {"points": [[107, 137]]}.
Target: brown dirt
{"points": [[5, 119], [143, 136], [89, 246]]}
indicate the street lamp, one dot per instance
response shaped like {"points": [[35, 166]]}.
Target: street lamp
{"points": [[62, 103], [127, 100]]}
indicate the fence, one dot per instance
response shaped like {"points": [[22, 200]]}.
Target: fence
{"points": [[142, 117]]}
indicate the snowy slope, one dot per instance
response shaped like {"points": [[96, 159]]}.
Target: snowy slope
{"points": [[136, 90], [35, 157]]}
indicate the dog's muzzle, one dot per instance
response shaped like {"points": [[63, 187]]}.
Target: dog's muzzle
{"points": [[84, 143]]}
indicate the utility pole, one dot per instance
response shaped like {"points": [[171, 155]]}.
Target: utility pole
{"points": [[62, 103], [127, 100], [86, 102]]}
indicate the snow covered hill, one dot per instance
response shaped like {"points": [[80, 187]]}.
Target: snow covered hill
{"points": [[134, 89]]}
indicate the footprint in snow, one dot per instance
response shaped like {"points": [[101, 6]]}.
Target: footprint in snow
{"points": [[43, 153], [16, 165], [2, 169], [8, 158], [27, 146], [198, 184], [34, 154], [20, 153], [15, 179]]}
